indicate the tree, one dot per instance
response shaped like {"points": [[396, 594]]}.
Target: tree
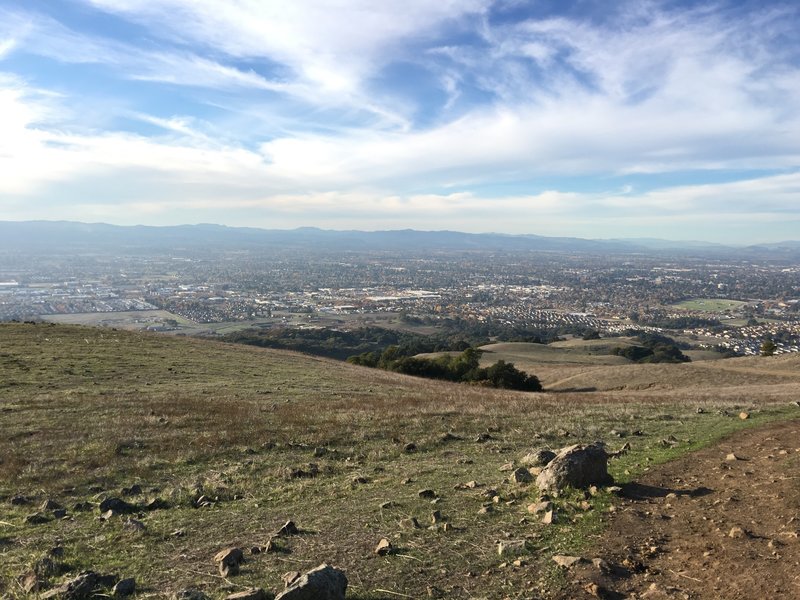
{"points": [[768, 347]]}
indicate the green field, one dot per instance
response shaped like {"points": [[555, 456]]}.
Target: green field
{"points": [[710, 305], [269, 436]]}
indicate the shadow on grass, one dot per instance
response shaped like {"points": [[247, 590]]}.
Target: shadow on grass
{"points": [[640, 491]]}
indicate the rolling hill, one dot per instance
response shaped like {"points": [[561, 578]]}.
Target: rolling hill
{"points": [[234, 440]]}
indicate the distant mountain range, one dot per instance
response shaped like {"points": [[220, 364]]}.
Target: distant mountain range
{"points": [[42, 237]]}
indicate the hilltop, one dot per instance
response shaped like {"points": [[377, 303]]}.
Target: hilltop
{"points": [[235, 440]]}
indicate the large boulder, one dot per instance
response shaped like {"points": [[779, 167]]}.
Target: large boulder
{"points": [[323, 583], [577, 466]]}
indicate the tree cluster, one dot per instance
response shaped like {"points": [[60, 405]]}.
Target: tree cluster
{"points": [[464, 368]]}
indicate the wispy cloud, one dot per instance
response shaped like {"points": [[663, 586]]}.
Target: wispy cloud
{"points": [[340, 110]]}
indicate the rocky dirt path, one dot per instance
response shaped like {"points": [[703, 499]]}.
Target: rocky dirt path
{"points": [[721, 523]]}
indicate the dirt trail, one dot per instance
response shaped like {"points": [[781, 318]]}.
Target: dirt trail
{"points": [[706, 526]]}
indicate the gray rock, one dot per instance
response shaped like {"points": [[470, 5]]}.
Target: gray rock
{"points": [[521, 475], [79, 588], [289, 528], [124, 587], [577, 466], [323, 583], [36, 519], [189, 594], [117, 505], [538, 458]]}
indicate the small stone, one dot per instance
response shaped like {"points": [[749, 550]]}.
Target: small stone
{"points": [[567, 561], [19, 501], [538, 458], [359, 479], [744, 415], [384, 548], [522, 475], [601, 565], [540, 507], [60, 513], [436, 517], [117, 505], [737, 533], [323, 583], [509, 466], [410, 448], [50, 505], [732, 457], [511, 547], [426, 493], [549, 517], [289, 528], [189, 594], [37, 519], [410, 523], [124, 587], [134, 525], [229, 555]]}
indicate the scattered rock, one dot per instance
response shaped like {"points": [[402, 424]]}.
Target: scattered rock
{"points": [[124, 587], [410, 448], [549, 517], [483, 437], [289, 528], [426, 493], [744, 415], [189, 594], [248, 594], [30, 582], [79, 588], [577, 466], [19, 501], [732, 457], [538, 458], [384, 547], [436, 517], [50, 505], [509, 466], [83, 506], [567, 561], [36, 519], [117, 505], [470, 485], [134, 490], [228, 561], [512, 547], [737, 533], [157, 504], [410, 523], [323, 583], [540, 507], [359, 479], [134, 525], [522, 475]]}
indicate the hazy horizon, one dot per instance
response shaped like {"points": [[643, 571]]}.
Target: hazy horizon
{"points": [[675, 120]]}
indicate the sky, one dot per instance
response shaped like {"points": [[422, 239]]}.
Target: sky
{"points": [[643, 118]]}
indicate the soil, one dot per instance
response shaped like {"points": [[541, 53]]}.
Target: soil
{"points": [[706, 526]]}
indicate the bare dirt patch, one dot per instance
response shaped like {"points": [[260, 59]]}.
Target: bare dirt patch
{"points": [[719, 523]]}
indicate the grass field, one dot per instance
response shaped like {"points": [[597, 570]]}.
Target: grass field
{"points": [[710, 305], [85, 412]]}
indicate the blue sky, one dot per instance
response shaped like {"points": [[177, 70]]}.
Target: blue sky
{"points": [[596, 119]]}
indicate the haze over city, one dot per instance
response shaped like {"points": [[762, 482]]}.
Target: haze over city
{"points": [[676, 120]]}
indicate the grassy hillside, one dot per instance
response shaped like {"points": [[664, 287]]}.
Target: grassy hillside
{"points": [[270, 436]]}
